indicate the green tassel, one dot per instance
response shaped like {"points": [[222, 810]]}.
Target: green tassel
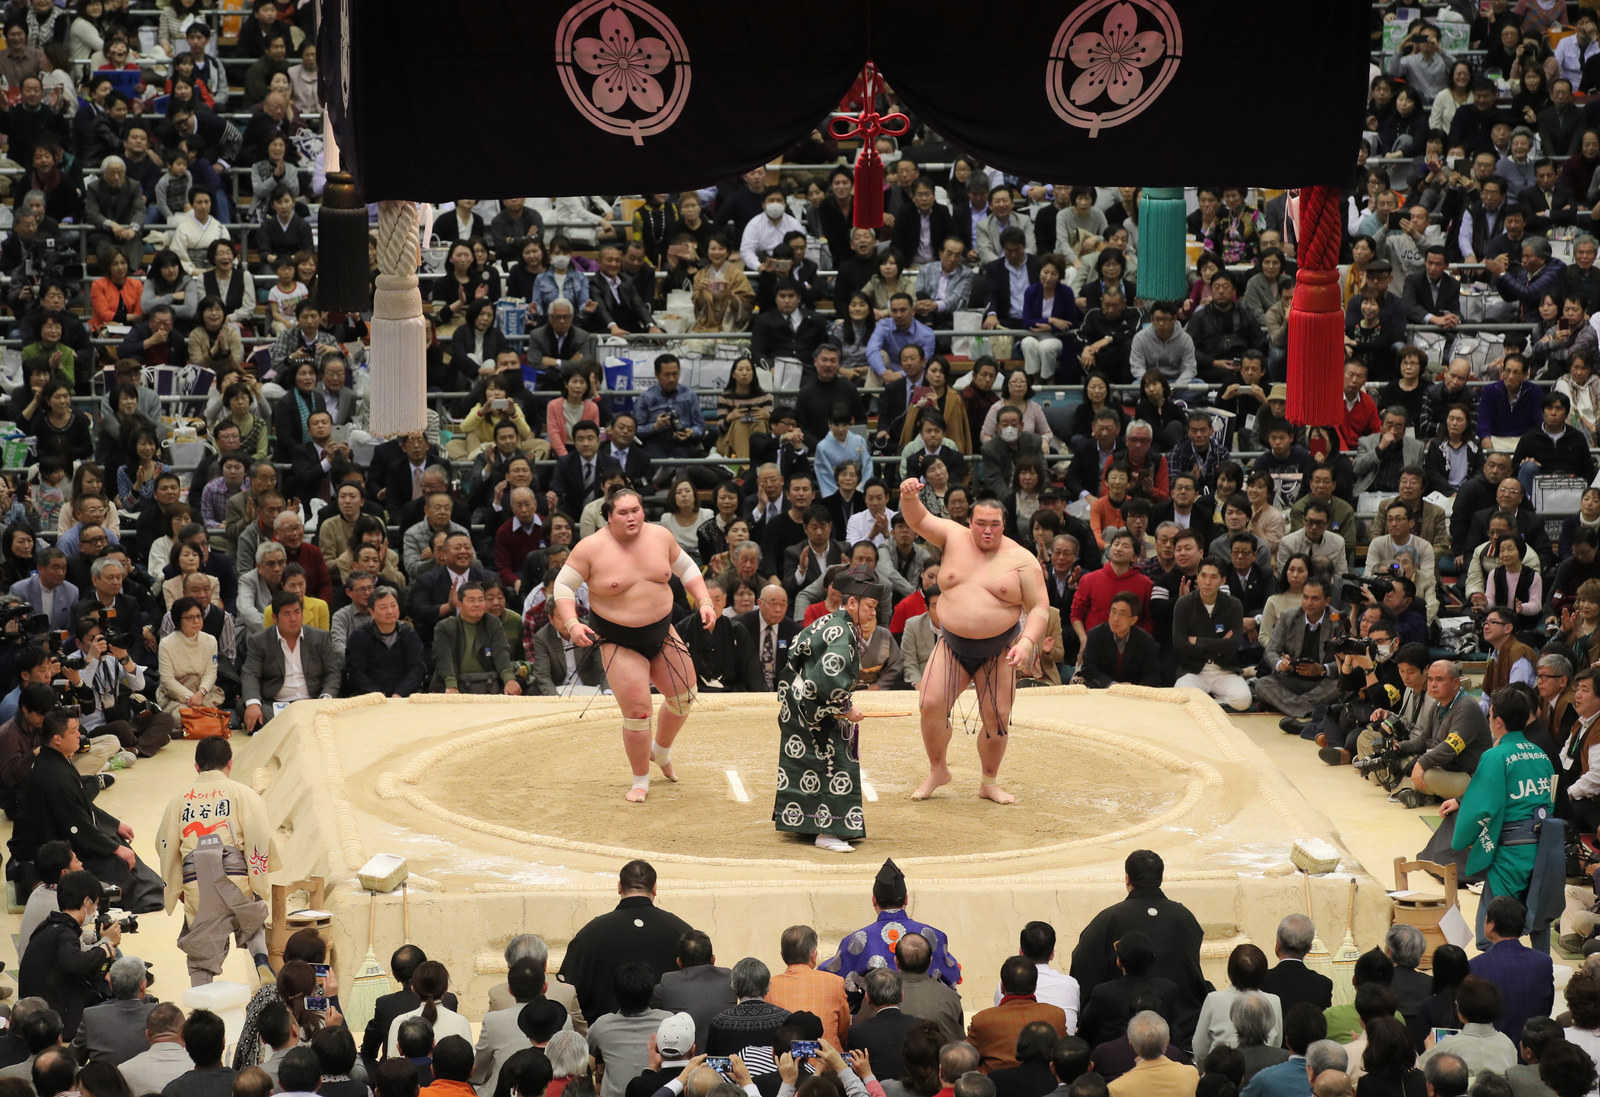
{"points": [[1163, 261]]}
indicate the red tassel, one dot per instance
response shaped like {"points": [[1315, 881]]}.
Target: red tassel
{"points": [[868, 125], [1316, 317], [869, 188]]}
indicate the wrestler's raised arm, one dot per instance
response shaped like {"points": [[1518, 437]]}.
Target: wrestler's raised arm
{"points": [[1036, 606], [564, 613], [933, 530]]}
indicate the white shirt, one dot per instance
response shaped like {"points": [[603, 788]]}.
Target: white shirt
{"points": [[762, 233], [859, 528], [294, 676], [1054, 989]]}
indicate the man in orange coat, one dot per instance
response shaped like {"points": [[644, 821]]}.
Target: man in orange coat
{"points": [[802, 987], [994, 1031]]}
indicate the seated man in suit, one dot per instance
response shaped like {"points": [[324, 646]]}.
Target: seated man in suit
{"points": [[403, 468], [1007, 279], [994, 1031], [554, 658], [577, 479], [920, 231], [1432, 295], [436, 594], [622, 447], [1290, 979], [805, 562], [943, 288], [553, 345], [287, 662], [882, 1034], [770, 629], [1523, 975], [1118, 650], [333, 385], [699, 987], [47, 590], [619, 310], [313, 464], [113, 1032], [787, 331]]}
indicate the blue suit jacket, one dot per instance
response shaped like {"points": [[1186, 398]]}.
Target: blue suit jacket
{"points": [[61, 612], [1285, 1079], [1524, 978]]}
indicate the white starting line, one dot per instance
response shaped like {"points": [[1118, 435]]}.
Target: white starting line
{"points": [[736, 786]]}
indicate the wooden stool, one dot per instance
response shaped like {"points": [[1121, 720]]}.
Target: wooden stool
{"points": [[1415, 908], [285, 924]]}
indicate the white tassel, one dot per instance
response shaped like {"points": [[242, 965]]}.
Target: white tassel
{"points": [[399, 357]]}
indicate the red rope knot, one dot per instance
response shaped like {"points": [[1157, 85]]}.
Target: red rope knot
{"points": [[869, 125]]}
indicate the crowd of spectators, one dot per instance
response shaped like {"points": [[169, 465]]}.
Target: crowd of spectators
{"points": [[640, 1006], [1189, 533]]}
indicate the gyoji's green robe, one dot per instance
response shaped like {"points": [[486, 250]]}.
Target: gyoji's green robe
{"points": [[819, 765]]}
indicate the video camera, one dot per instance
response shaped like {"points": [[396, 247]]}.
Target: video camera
{"points": [[1386, 762], [1353, 645], [1353, 589]]}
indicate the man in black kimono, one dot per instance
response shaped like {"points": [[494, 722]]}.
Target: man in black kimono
{"points": [[636, 930], [1175, 931], [55, 807]]}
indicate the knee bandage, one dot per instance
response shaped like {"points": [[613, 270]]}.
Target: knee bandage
{"points": [[678, 703], [636, 723]]}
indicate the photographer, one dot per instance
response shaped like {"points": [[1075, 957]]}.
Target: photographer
{"points": [[1397, 594], [1447, 742], [108, 687], [55, 807], [1377, 746], [1369, 681], [56, 966]]}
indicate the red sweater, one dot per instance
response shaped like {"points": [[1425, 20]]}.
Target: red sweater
{"points": [[1359, 421], [1092, 603], [511, 548]]}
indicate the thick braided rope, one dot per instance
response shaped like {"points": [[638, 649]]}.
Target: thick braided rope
{"points": [[398, 249], [1320, 236]]}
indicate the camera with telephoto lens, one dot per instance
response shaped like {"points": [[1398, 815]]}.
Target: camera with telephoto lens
{"points": [[1353, 645], [1386, 762], [1353, 590], [109, 912], [115, 635]]}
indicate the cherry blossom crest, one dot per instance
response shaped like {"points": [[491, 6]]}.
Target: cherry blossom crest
{"points": [[624, 66], [1112, 59]]}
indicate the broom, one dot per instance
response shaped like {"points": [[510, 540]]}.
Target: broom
{"points": [[1344, 961], [1317, 959], [371, 981]]}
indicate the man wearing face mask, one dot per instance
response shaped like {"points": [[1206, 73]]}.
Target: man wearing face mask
{"points": [[1000, 453], [1368, 683], [765, 232]]}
